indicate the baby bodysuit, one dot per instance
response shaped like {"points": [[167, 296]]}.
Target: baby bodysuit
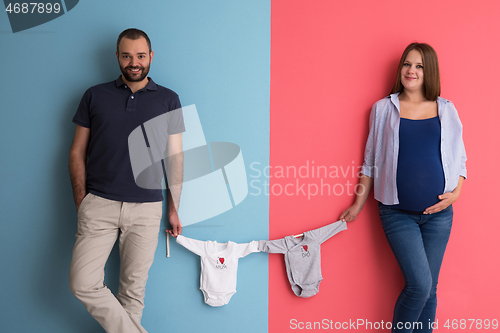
{"points": [[303, 257], [219, 266]]}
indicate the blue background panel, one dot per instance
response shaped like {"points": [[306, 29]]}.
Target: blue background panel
{"points": [[214, 54]]}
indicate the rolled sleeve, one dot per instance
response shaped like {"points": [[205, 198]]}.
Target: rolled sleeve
{"points": [[454, 149], [369, 159]]}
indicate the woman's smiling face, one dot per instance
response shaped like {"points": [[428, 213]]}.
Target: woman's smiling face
{"points": [[412, 72]]}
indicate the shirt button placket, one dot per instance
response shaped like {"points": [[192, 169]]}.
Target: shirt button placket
{"points": [[131, 103]]}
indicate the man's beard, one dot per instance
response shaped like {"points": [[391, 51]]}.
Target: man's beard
{"points": [[143, 70]]}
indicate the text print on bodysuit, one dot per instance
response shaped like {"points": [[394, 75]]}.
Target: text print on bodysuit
{"points": [[220, 264], [305, 253]]}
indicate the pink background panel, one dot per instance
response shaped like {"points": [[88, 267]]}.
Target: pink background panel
{"points": [[330, 61]]}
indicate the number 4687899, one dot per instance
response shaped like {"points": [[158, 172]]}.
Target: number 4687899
{"points": [[33, 7], [463, 324]]}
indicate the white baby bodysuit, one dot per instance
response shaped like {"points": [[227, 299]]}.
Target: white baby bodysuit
{"points": [[219, 266]]}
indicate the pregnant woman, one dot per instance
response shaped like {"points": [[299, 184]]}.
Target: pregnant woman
{"points": [[415, 161]]}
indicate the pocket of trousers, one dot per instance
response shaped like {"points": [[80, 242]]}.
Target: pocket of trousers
{"points": [[83, 200], [383, 209]]}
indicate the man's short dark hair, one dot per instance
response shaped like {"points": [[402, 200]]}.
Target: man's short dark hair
{"points": [[133, 34]]}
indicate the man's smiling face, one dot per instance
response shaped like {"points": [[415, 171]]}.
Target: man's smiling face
{"points": [[134, 59]]}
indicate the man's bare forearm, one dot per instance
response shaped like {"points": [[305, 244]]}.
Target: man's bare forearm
{"points": [[77, 174], [77, 163]]}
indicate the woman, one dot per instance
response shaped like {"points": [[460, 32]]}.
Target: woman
{"points": [[415, 160]]}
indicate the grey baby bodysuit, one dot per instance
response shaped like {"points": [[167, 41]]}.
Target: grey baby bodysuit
{"points": [[303, 257]]}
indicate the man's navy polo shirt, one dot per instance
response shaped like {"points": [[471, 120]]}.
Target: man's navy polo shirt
{"points": [[112, 112]]}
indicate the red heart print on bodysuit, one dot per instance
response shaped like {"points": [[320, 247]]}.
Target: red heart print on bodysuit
{"points": [[221, 260], [305, 247]]}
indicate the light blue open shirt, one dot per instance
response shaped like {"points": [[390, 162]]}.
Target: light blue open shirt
{"points": [[382, 147]]}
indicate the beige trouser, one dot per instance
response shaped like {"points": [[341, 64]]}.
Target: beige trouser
{"points": [[100, 222]]}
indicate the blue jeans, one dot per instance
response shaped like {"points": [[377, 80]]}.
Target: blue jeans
{"points": [[418, 242]]}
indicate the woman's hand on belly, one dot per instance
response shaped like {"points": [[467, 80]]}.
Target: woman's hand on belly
{"points": [[446, 199]]}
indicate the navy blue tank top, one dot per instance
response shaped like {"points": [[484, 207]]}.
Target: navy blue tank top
{"points": [[420, 177]]}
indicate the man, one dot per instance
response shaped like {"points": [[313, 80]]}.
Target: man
{"points": [[109, 202]]}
